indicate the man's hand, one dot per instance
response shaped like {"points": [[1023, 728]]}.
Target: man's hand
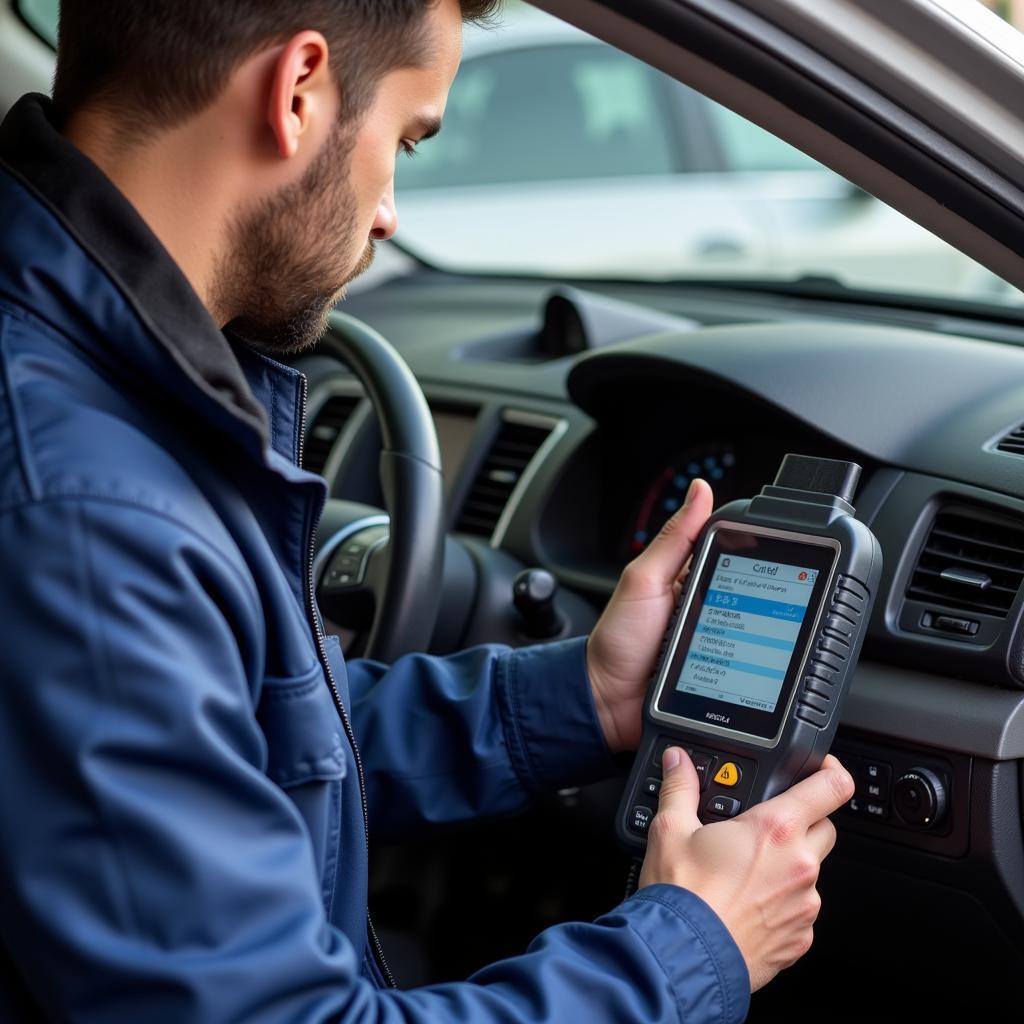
{"points": [[758, 872], [624, 644]]}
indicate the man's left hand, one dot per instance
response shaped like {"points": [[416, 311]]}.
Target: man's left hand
{"points": [[624, 644]]}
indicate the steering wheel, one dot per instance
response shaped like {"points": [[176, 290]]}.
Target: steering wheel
{"points": [[391, 564]]}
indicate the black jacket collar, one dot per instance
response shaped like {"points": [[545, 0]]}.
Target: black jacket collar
{"points": [[108, 227]]}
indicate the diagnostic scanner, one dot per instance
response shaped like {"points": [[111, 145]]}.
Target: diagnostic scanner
{"points": [[761, 649]]}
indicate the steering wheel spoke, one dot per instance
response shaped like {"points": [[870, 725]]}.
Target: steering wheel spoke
{"points": [[378, 572]]}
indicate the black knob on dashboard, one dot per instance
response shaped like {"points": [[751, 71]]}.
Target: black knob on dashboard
{"points": [[919, 797], [533, 594]]}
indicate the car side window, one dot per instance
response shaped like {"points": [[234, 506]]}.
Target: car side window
{"points": [[41, 17], [548, 113], [747, 147]]}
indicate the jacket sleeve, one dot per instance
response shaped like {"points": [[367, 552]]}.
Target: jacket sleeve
{"points": [[152, 872], [477, 733]]}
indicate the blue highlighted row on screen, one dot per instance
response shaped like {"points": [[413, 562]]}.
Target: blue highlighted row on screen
{"points": [[736, 666], [755, 606], [747, 638]]}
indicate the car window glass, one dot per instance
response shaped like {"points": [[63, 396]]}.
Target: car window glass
{"points": [[551, 113], [748, 147], [41, 16]]}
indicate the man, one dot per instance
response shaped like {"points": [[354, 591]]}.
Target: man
{"points": [[182, 810]]}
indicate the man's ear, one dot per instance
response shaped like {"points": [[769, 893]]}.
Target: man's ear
{"points": [[301, 91]]}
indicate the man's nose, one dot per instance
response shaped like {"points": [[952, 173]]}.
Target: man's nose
{"points": [[385, 224]]}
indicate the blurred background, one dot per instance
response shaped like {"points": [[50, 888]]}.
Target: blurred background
{"points": [[563, 157]]}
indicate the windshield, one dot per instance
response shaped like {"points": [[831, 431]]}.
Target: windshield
{"points": [[562, 156]]}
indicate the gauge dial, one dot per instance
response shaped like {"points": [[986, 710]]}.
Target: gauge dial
{"points": [[715, 463]]}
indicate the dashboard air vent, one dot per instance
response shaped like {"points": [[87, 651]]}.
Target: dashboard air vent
{"points": [[512, 451], [1013, 442], [973, 561], [325, 429]]}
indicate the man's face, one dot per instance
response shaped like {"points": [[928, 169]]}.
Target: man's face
{"points": [[293, 255]]}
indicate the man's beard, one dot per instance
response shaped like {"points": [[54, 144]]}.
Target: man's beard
{"points": [[292, 256]]}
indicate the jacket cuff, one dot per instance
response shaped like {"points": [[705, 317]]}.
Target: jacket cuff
{"points": [[700, 958], [555, 739]]}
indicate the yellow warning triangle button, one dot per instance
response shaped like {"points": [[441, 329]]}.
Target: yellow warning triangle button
{"points": [[728, 774]]}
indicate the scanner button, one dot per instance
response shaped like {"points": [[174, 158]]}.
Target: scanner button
{"points": [[825, 672], [853, 587], [812, 684], [729, 774], [704, 763], [723, 806], [651, 788], [812, 717], [839, 648], [840, 624], [851, 590], [816, 701], [640, 819], [823, 656], [661, 746]]}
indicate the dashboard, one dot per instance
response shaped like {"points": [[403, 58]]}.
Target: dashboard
{"points": [[572, 461]]}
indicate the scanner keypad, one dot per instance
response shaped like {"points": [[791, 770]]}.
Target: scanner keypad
{"points": [[725, 783]]}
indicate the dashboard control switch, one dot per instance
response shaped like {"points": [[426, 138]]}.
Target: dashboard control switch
{"points": [[873, 780], [874, 809], [919, 797], [533, 594]]}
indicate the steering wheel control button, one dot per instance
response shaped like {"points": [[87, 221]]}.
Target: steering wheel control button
{"points": [[640, 819], [723, 806], [704, 763], [919, 797], [873, 781], [651, 788], [729, 774]]}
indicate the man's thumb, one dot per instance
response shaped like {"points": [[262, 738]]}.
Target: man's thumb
{"points": [[680, 788]]}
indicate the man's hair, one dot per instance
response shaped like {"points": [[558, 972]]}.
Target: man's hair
{"points": [[159, 62]]}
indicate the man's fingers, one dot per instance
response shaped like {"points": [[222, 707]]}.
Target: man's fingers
{"points": [[822, 837], [672, 546], [680, 788], [815, 798]]}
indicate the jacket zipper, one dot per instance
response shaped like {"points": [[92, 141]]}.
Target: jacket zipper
{"points": [[318, 633]]}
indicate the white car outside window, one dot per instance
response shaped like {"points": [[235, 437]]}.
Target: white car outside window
{"points": [[562, 156]]}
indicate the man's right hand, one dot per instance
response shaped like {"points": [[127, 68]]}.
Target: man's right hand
{"points": [[757, 871]]}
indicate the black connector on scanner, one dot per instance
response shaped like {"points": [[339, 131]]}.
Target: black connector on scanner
{"points": [[823, 476]]}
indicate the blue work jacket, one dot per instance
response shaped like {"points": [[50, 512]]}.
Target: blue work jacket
{"points": [[183, 835]]}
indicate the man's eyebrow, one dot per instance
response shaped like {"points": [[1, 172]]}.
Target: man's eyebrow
{"points": [[427, 127]]}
